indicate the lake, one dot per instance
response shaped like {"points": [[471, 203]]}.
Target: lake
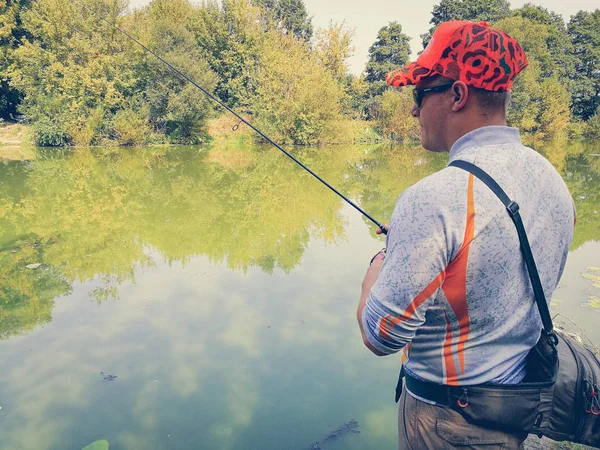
{"points": [[205, 297]]}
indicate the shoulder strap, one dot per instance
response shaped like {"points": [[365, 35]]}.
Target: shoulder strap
{"points": [[513, 210]]}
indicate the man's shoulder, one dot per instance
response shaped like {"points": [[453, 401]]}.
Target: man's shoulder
{"points": [[434, 195], [440, 184]]}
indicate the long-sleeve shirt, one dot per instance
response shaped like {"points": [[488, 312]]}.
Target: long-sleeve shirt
{"points": [[454, 293]]}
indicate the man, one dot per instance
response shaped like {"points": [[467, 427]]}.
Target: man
{"points": [[452, 292]]}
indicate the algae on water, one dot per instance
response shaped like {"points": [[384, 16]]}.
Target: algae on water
{"points": [[594, 302], [97, 445], [589, 276]]}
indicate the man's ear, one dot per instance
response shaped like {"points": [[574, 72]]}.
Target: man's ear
{"points": [[460, 92]]}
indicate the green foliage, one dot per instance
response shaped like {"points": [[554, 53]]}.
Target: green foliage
{"points": [[48, 134], [289, 16], [89, 128], [80, 77], [174, 104], [229, 37], [295, 96], [76, 65], [355, 90], [12, 34], [83, 83], [130, 126], [474, 10], [592, 131], [390, 50], [584, 30], [395, 121], [540, 100], [556, 57], [333, 47]]}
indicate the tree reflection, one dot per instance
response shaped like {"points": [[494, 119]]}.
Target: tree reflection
{"points": [[579, 165], [385, 172], [96, 216]]}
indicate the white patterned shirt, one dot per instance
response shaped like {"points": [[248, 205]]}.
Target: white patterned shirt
{"points": [[454, 292]]}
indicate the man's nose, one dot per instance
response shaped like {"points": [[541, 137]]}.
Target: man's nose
{"points": [[415, 110]]}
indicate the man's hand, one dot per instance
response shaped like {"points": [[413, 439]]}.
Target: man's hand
{"points": [[386, 226]]}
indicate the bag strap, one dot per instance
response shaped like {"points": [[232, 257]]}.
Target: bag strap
{"points": [[513, 210]]}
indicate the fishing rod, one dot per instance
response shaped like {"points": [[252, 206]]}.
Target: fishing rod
{"points": [[215, 99]]}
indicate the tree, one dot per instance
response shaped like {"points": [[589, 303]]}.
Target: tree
{"points": [[333, 47], [296, 98], [540, 100], [74, 66], [12, 34], [355, 90], [395, 121], [390, 50], [175, 105], [85, 83], [229, 37], [584, 30], [475, 10], [289, 16], [559, 59]]}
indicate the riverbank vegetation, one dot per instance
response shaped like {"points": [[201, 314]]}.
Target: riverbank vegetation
{"points": [[77, 81]]}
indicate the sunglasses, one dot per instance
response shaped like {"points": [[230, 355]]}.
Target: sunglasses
{"points": [[418, 94]]}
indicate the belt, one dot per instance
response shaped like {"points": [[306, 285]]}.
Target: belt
{"points": [[440, 394]]}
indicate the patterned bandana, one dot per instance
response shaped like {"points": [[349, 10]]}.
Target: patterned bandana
{"points": [[475, 53]]}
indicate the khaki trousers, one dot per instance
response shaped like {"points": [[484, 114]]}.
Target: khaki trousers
{"points": [[422, 426]]}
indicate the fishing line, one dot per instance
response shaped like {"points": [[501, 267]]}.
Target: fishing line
{"points": [[242, 120]]}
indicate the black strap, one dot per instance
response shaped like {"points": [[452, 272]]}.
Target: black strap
{"points": [[399, 384], [513, 210]]}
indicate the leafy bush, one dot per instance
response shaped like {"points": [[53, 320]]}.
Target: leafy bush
{"points": [[87, 130], [395, 120], [130, 127], [48, 134], [295, 96], [592, 130]]}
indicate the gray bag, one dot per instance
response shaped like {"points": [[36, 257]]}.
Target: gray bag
{"points": [[560, 397]]}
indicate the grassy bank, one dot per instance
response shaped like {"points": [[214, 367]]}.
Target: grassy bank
{"points": [[339, 132], [15, 141], [14, 135]]}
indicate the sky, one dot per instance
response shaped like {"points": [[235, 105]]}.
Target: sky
{"points": [[366, 18]]}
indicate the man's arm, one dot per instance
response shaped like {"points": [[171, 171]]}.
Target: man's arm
{"points": [[396, 294], [367, 284]]}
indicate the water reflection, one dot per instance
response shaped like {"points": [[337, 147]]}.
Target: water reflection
{"points": [[236, 276], [93, 215]]}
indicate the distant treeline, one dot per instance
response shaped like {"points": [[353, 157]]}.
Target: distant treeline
{"points": [[80, 82]]}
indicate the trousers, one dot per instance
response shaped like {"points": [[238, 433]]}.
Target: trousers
{"points": [[422, 426]]}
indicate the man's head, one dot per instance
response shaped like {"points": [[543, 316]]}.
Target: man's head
{"points": [[462, 81]]}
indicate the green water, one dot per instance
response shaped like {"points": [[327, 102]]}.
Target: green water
{"points": [[219, 285]]}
